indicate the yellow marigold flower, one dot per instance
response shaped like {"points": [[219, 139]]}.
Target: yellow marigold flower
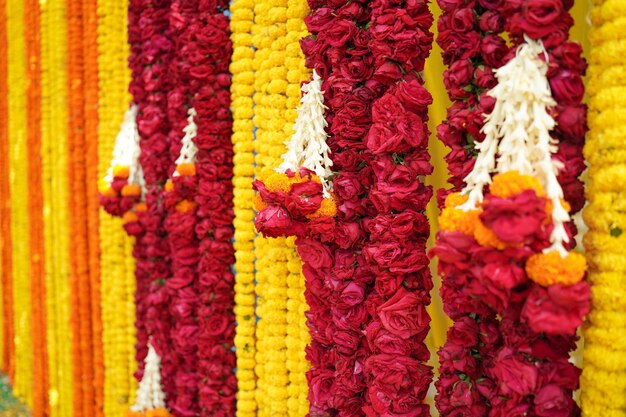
{"points": [[279, 182], [511, 183], [551, 268], [455, 220], [121, 171], [456, 199]]}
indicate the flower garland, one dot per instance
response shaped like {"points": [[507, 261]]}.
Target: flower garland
{"points": [[35, 210], [272, 257], [6, 269], [604, 375], [214, 231], [150, 396], [358, 285], [149, 60], [90, 22], [54, 150], [181, 220], [488, 270], [117, 278], [17, 142], [242, 90], [80, 293]]}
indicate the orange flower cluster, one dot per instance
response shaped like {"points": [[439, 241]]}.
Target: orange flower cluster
{"points": [[544, 268]]}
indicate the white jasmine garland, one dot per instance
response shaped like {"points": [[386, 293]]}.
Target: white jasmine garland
{"points": [[517, 135], [150, 394], [307, 147], [189, 149]]}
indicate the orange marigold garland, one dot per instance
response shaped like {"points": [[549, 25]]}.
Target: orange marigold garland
{"points": [[35, 208]]}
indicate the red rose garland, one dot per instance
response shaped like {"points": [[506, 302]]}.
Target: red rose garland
{"points": [[181, 219], [150, 54], [366, 270], [519, 364], [199, 222], [212, 49]]}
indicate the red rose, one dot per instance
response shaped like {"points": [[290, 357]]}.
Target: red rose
{"points": [[339, 33], [404, 314], [557, 309], [320, 19], [572, 121], [463, 20], [538, 16], [493, 49], [552, 401], [304, 198], [491, 21], [464, 332], [315, 254], [515, 219], [351, 295], [413, 95], [274, 221], [514, 374], [457, 77], [321, 388], [567, 87]]}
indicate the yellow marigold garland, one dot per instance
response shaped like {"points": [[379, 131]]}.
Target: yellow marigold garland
{"points": [[117, 270], [55, 192], [604, 374], [16, 55], [242, 89], [279, 65]]}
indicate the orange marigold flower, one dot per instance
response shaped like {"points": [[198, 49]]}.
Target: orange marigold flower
{"points": [[130, 216], [108, 191], [185, 206], [130, 413], [486, 237], [186, 169], [257, 203], [455, 220], [121, 171], [141, 207], [169, 186], [157, 412], [328, 208], [131, 190], [511, 183], [551, 268]]}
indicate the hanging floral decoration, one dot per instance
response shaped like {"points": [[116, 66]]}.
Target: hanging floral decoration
{"points": [[122, 190], [150, 400], [300, 191], [510, 279]]}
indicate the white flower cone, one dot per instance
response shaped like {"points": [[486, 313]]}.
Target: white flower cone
{"points": [[150, 394], [189, 149], [307, 147], [517, 133]]}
